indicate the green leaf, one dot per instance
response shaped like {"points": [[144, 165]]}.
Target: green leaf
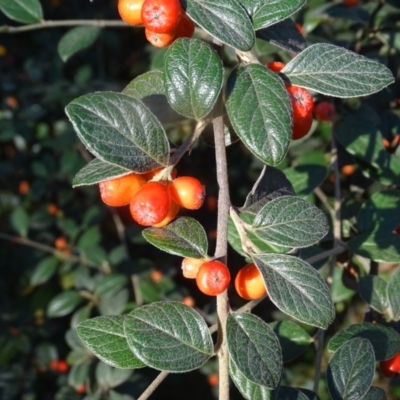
{"points": [[78, 374], [272, 11], [227, 21], [375, 393], [296, 288], [168, 336], [108, 377], [24, 11], [339, 291], [105, 337], [184, 237], [351, 370], [193, 77], [149, 88], [305, 178], [372, 289], [114, 304], [393, 294], [290, 221], [120, 130], [44, 270], [109, 284], [254, 348], [384, 340], [89, 238], [249, 389], [98, 171], [19, 220], [335, 71], [260, 111], [290, 393], [376, 245], [77, 39], [293, 339], [63, 304]]}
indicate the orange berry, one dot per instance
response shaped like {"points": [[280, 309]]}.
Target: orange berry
{"points": [[324, 111], [161, 16], [300, 28], [120, 191], [52, 209], [62, 366], [81, 389], [172, 212], [249, 283], [275, 66], [131, 11], [156, 275], [185, 27], [386, 143], [151, 204], [213, 278], [189, 301], [23, 187], [61, 243], [348, 169], [160, 39], [188, 192], [12, 102], [213, 379], [191, 266]]}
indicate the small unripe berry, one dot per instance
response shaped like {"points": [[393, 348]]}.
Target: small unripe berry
{"points": [[191, 266]]}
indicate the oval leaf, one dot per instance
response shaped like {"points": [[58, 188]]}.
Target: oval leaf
{"points": [[44, 270], [260, 112], [385, 340], [375, 393], [184, 237], [290, 393], [273, 11], [24, 11], [290, 221], [227, 21], [97, 171], [254, 348], [193, 77], [249, 389], [372, 289], [63, 303], [351, 370], [335, 71], [393, 294], [105, 337], [147, 84], [77, 39], [296, 288], [119, 129], [168, 336]]}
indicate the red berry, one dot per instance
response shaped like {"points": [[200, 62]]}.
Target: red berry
{"points": [[275, 66], [324, 111], [350, 3], [185, 27], [391, 367], [150, 205], [213, 278], [188, 192], [161, 16]]}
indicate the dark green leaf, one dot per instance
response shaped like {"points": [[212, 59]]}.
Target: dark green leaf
{"points": [[184, 237], [351, 370], [272, 11], [294, 340], [335, 71], [393, 294], [77, 39], [254, 349], [97, 171], [372, 289], [271, 183], [249, 389], [105, 337], [19, 220], [63, 304], [296, 288], [309, 394], [375, 393], [290, 393], [147, 84], [305, 178], [193, 77], [227, 21], [260, 111], [24, 11], [44, 270], [290, 221], [109, 284], [168, 336], [384, 340], [119, 129], [89, 238]]}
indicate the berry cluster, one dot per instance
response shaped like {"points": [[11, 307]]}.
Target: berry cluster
{"points": [[213, 277], [303, 106], [152, 201], [163, 20]]}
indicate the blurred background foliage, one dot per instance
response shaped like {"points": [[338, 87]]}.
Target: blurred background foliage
{"points": [[65, 256]]}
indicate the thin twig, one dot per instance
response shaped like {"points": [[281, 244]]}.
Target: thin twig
{"points": [[65, 23], [153, 385]]}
